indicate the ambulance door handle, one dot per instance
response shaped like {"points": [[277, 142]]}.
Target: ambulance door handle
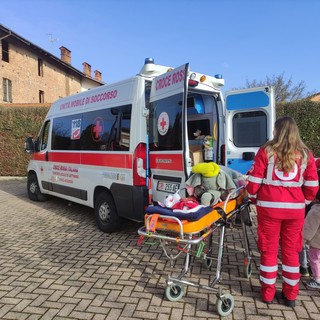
{"points": [[47, 156], [248, 156]]}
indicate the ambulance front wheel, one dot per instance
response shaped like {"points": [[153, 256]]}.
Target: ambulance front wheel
{"points": [[106, 213], [34, 192]]}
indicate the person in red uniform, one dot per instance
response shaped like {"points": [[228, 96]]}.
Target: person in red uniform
{"points": [[281, 182]]}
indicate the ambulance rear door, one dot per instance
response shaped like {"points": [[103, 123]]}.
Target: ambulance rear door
{"points": [[167, 133], [250, 116]]}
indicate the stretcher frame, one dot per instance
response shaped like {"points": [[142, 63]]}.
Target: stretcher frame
{"points": [[199, 234]]}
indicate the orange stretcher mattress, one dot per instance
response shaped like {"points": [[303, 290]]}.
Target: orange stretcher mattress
{"points": [[166, 223]]}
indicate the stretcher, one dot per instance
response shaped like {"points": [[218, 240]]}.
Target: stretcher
{"points": [[191, 235]]}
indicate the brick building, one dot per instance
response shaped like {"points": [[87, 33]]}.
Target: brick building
{"points": [[29, 74], [315, 97]]}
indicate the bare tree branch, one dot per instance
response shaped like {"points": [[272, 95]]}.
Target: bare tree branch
{"points": [[285, 90]]}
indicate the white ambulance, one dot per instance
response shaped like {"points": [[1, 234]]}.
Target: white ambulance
{"points": [[119, 147]]}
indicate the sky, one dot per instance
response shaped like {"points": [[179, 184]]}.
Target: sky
{"points": [[244, 40]]}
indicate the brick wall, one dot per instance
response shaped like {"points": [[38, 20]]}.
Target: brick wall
{"points": [[315, 98], [22, 70]]}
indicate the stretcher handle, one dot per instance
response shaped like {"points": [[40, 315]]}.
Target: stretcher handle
{"points": [[231, 194]]}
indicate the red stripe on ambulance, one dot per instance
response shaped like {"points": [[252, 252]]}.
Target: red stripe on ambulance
{"points": [[166, 161], [111, 160]]}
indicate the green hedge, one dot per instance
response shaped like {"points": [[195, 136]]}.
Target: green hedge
{"points": [[17, 123], [307, 115]]}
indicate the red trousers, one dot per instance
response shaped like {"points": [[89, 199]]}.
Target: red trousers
{"points": [[289, 233]]}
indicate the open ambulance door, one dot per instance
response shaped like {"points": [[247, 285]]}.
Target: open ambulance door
{"points": [[250, 117], [169, 163]]}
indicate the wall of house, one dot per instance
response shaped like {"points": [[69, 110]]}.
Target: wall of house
{"points": [[22, 70], [315, 98]]}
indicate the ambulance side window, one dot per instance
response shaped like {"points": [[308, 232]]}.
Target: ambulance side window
{"points": [[107, 129], [66, 133], [43, 137], [101, 130]]}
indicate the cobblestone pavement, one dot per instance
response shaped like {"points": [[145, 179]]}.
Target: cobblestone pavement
{"points": [[56, 264]]}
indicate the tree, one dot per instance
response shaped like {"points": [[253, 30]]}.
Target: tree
{"points": [[285, 90]]}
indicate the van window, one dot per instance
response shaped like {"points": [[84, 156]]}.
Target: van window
{"points": [[249, 129], [64, 134], [165, 128], [195, 105], [42, 142], [102, 130]]}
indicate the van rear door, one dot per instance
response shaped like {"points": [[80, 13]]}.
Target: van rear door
{"points": [[167, 133], [250, 116]]}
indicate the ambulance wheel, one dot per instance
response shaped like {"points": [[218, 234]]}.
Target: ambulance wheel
{"points": [[174, 292], [106, 213], [225, 305], [34, 192]]}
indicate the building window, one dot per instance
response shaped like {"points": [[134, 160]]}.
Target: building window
{"points": [[7, 90], [40, 67], [41, 96], [5, 50]]}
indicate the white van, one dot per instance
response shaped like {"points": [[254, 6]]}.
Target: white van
{"points": [[119, 147]]}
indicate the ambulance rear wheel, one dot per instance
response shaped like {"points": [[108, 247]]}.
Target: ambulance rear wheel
{"points": [[106, 213], [34, 192]]}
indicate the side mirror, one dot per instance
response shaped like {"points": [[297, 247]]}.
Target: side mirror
{"points": [[29, 145]]}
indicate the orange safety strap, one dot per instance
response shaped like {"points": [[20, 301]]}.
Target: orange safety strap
{"points": [[150, 197], [139, 242], [153, 222]]}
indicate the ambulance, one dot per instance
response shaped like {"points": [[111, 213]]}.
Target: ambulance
{"points": [[120, 147]]}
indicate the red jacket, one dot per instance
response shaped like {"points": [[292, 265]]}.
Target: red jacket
{"points": [[278, 194]]}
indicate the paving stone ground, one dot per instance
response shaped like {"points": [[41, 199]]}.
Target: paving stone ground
{"points": [[56, 264]]}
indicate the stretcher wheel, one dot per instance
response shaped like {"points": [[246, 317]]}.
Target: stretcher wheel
{"points": [[225, 305], [247, 268], [174, 292], [207, 263]]}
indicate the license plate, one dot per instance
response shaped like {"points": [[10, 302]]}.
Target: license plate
{"points": [[168, 186]]}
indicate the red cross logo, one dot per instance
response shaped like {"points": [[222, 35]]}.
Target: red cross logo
{"points": [[287, 175], [163, 123], [97, 129]]}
